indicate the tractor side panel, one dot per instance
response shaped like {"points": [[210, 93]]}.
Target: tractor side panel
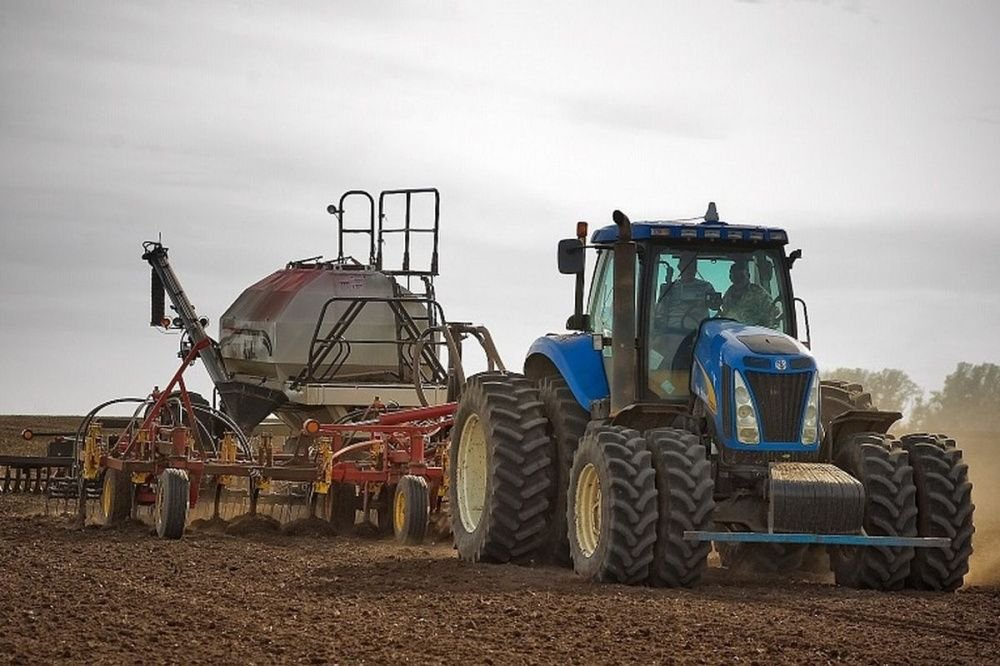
{"points": [[577, 361]]}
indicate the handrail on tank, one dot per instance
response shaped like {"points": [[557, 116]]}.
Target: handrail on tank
{"points": [[321, 346], [407, 229], [338, 210]]}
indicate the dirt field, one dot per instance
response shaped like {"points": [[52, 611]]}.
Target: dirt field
{"points": [[124, 596]]}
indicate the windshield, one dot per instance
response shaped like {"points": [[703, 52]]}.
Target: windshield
{"points": [[692, 285]]}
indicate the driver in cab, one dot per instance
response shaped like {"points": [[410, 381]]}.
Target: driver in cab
{"points": [[684, 302], [680, 309]]}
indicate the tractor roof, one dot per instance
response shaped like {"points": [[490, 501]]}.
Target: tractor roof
{"points": [[710, 231]]}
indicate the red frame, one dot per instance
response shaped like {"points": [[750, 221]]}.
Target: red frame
{"points": [[403, 435]]}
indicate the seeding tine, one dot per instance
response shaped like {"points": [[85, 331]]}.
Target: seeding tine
{"points": [[215, 504], [6, 480], [254, 495]]}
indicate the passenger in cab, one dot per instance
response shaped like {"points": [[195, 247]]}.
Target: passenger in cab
{"points": [[747, 302]]}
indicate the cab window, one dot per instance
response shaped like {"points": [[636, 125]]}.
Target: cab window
{"points": [[690, 286]]}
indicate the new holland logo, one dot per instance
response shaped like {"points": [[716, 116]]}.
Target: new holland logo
{"points": [[781, 364]]}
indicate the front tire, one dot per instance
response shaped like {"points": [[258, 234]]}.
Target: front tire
{"points": [[944, 508], [685, 487], [890, 510], [500, 475], [612, 509]]}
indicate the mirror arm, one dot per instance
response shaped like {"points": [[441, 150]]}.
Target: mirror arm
{"points": [[805, 317]]}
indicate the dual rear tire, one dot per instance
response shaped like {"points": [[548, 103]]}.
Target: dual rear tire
{"points": [[500, 472]]}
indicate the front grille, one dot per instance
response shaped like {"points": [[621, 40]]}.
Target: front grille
{"points": [[762, 458], [780, 399]]}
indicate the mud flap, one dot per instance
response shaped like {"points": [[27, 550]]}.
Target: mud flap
{"points": [[814, 498]]}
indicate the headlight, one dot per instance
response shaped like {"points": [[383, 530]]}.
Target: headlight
{"points": [[810, 421], [747, 430]]}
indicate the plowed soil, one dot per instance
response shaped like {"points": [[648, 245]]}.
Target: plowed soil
{"points": [[122, 595]]}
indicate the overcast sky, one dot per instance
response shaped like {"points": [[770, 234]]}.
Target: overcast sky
{"points": [[870, 130]]}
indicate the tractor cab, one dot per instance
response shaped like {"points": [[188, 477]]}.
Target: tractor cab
{"points": [[686, 277]]}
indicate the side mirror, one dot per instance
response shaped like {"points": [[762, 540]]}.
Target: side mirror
{"points": [[578, 322], [571, 256], [793, 257]]}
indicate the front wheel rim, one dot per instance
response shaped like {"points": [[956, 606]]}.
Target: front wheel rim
{"points": [[587, 510]]}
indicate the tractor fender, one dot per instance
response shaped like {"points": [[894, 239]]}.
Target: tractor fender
{"points": [[573, 356]]}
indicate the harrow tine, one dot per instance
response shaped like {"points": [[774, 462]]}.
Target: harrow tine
{"points": [[6, 480]]}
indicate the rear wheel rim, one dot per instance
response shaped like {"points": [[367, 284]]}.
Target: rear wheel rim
{"points": [[106, 496], [587, 512], [399, 511], [160, 509], [470, 473]]}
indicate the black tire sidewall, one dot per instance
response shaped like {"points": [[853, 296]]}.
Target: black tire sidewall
{"points": [[589, 453], [473, 404]]}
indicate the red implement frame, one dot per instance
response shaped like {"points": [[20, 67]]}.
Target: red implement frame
{"points": [[384, 449]]}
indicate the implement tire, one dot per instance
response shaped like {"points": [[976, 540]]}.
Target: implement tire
{"points": [[340, 506], [172, 497], [684, 487], [890, 510], [944, 509], [383, 510], [411, 509], [500, 476], [567, 423], [612, 509], [116, 497]]}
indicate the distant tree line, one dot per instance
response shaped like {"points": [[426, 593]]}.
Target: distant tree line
{"points": [[969, 399]]}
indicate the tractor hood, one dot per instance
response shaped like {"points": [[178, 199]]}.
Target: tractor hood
{"points": [[725, 341], [777, 370]]}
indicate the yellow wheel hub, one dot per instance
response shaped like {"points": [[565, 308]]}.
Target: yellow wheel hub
{"points": [[470, 473], [107, 496], [399, 511], [587, 513]]}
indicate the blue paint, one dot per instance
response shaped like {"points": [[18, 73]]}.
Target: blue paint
{"points": [[718, 345], [827, 539], [578, 362]]}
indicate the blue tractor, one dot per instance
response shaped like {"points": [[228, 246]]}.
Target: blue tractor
{"points": [[686, 409]]}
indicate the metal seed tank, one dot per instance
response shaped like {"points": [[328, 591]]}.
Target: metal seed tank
{"points": [[318, 339]]}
